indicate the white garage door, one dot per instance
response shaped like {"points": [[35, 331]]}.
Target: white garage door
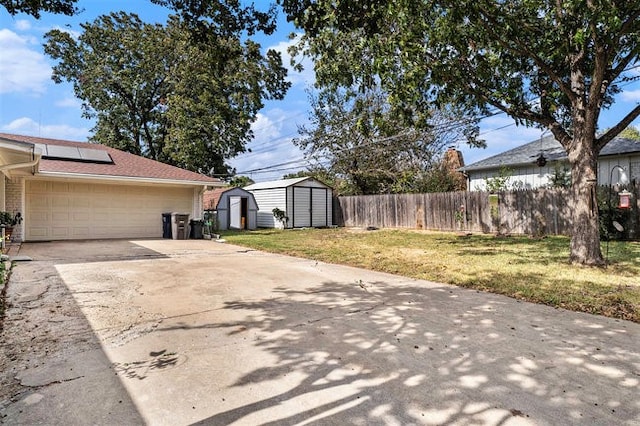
{"points": [[70, 210]]}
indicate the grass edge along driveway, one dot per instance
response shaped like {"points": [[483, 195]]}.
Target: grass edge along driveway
{"points": [[536, 270]]}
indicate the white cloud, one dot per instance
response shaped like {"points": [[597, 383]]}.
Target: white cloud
{"points": [[28, 126], [69, 102], [21, 68], [630, 95], [274, 131], [23, 25], [500, 134], [307, 76]]}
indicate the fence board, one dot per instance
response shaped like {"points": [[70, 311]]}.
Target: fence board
{"points": [[534, 212]]}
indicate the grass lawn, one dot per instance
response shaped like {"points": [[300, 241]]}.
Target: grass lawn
{"points": [[520, 267]]}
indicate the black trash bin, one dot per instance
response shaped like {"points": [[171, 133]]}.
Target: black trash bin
{"points": [[196, 229], [166, 225]]}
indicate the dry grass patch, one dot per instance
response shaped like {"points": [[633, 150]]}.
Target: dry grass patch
{"points": [[530, 269]]}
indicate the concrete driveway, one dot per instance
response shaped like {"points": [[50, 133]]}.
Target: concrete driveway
{"points": [[180, 332]]}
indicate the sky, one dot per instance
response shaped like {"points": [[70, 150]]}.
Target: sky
{"points": [[32, 104]]}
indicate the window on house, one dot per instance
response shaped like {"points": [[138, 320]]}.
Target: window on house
{"points": [[634, 170]]}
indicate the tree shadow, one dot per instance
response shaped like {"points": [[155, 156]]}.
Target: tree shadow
{"points": [[381, 353]]}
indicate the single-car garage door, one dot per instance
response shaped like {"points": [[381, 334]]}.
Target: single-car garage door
{"points": [[58, 210]]}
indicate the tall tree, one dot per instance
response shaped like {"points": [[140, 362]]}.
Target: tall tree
{"points": [[355, 137], [35, 7], [157, 91], [550, 63]]}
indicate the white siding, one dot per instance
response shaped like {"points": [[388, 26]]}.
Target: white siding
{"points": [[267, 200], [521, 177], [606, 169], [535, 177]]}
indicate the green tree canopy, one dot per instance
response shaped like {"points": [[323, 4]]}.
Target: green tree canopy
{"points": [[240, 181], [355, 138], [156, 91], [35, 7], [630, 132], [553, 64]]}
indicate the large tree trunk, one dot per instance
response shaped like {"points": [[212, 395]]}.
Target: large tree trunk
{"points": [[585, 237]]}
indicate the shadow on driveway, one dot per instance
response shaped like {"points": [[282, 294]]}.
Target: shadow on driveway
{"points": [[370, 353]]}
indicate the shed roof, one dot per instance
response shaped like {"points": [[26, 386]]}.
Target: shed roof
{"points": [[124, 165], [283, 183], [526, 154]]}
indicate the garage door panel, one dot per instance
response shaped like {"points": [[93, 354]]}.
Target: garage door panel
{"points": [[81, 233], [80, 216], [61, 216], [60, 187], [60, 232], [39, 187], [68, 210]]}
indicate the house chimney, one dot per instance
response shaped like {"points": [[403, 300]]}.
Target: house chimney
{"points": [[453, 161]]}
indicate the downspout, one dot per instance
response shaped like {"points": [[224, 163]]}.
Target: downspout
{"points": [[34, 161], [19, 165]]}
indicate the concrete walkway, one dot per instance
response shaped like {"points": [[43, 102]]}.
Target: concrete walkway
{"points": [[195, 332]]}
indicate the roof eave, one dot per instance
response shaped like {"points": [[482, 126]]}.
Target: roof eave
{"points": [[497, 166], [129, 179]]}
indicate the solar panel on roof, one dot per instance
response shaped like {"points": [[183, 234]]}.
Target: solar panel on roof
{"points": [[68, 152], [42, 148], [96, 155], [72, 153]]}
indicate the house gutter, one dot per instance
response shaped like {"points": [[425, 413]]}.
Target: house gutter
{"points": [[130, 179], [497, 166], [34, 161], [19, 165]]}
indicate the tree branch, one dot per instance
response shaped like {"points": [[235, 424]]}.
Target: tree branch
{"points": [[615, 130], [522, 49]]}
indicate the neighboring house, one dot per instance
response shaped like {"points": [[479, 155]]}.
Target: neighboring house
{"points": [[306, 202], [235, 208], [525, 173], [76, 190]]}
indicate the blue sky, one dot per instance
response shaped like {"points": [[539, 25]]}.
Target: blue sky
{"points": [[31, 104]]}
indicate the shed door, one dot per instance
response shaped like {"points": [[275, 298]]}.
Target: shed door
{"points": [[319, 207], [235, 212], [301, 207]]}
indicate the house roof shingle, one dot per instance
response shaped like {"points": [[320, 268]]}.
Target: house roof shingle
{"points": [[526, 154], [124, 164], [211, 198]]}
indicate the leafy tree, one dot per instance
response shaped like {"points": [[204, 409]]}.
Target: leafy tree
{"points": [[355, 138], [631, 132], [240, 181], [35, 7], [561, 177], [499, 182], [553, 64], [156, 91]]}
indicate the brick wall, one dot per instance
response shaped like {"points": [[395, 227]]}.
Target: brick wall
{"points": [[13, 203]]}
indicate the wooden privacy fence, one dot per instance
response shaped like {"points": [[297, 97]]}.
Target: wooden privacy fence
{"points": [[533, 212]]}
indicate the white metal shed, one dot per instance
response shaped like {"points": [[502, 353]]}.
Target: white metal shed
{"points": [[307, 202], [235, 208]]}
